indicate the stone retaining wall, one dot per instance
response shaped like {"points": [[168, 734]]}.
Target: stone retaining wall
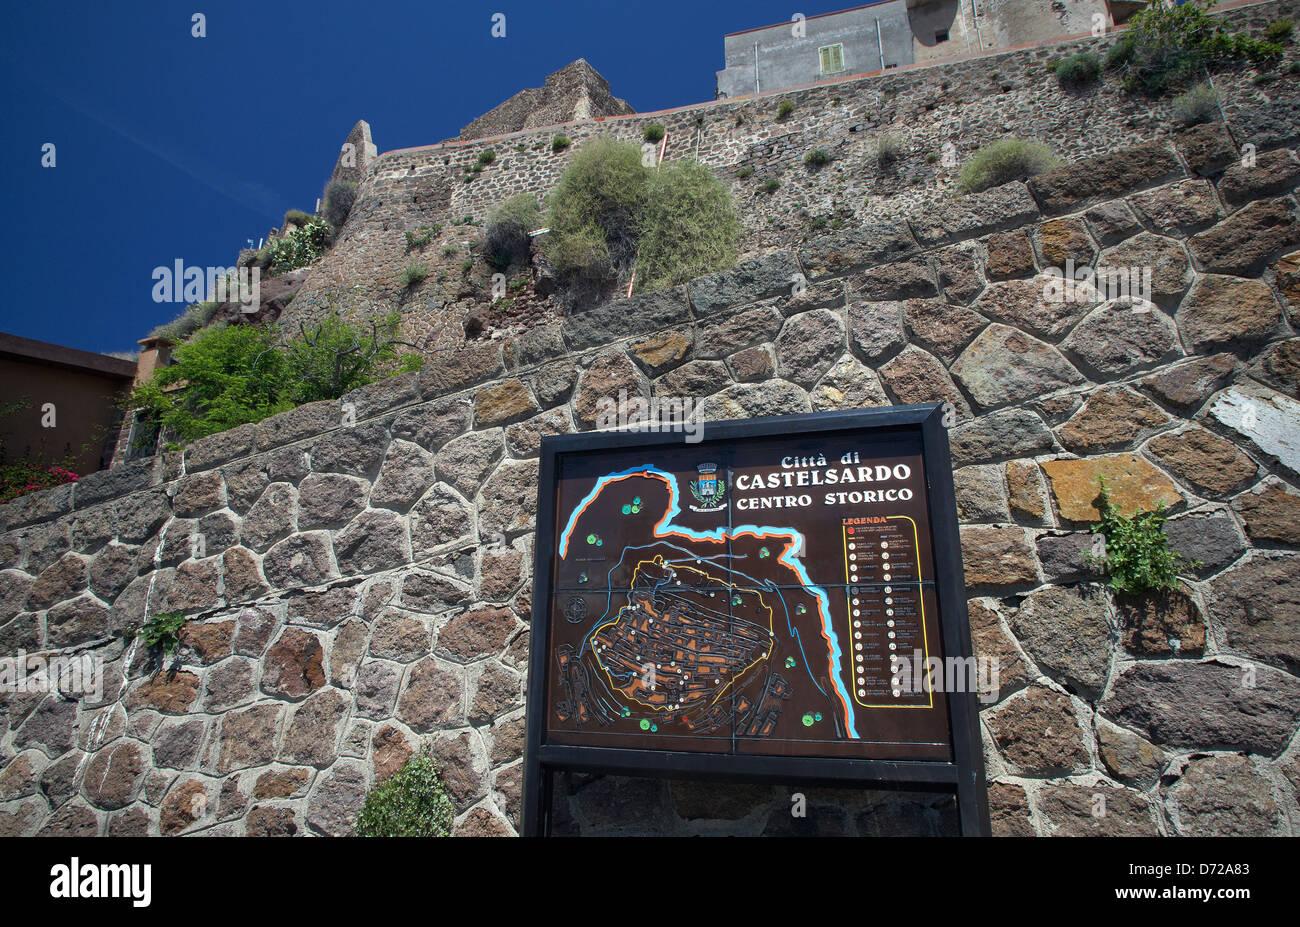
{"points": [[357, 572]]}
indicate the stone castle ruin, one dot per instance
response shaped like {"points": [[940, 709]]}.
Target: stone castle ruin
{"points": [[358, 586]]}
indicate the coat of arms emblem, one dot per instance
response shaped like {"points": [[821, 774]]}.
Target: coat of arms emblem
{"points": [[708, 489]]}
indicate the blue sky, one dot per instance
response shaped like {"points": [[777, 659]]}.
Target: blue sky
{"points": [[173, 147]]}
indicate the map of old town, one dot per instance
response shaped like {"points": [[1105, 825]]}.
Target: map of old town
{"points": [[764, 598]]}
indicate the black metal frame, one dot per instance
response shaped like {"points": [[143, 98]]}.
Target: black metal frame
{"points": [[964, 776]]}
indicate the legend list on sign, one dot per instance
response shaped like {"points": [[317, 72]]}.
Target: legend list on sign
{"points": [[886, 610]]}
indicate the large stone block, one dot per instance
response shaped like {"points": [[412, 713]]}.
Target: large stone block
{"points": [[808, 345], [1203, 460], [833, 255], [997, 556], [1224, 796], [1095, 811], [1104, 177], [1247, 240], [1206, 706], [1038, 734], [623, 318], [303, 422], [1268, 420], [1257, 603], [1005, 206], [450, 371], [375, 540], [1122, 335], [1133, 483], [749, 281], [1004, 366], [1228, 313], [999, 435], [301, 560], [1069, 631], [1111, 418]]}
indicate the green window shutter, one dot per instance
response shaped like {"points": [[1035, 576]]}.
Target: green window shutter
{"points": [[832, 58]]}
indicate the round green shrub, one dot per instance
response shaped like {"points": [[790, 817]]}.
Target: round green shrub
{"points": [[688, 227], [1003, 161], [1279, 31], [295, 218], [1200, 104], [596, 202], [818, 157], [1077, 70], [1169, 47], [653, 133], [505, 237]]}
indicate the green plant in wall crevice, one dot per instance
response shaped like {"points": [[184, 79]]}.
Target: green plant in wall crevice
{"points": [[413, 802], [162, 632], [1136, 554]]}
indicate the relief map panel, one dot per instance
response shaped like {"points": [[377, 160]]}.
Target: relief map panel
{"points": [[765, 596]]}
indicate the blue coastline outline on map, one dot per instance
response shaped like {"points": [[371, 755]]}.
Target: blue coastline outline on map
{"points": [[789, 557]]}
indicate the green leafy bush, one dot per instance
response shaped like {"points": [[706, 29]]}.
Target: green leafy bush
{"points": [[1077, 70], [487, 156], [594, 208], [161, 632], [1169, 47], [340, 195], [784, 109], [771, 185], [1279, 31], [817, 158], [653, 133], [413, 802], [505, 236], [223, 377], [560, 142], [1200, 104], [1137, 556], [300, 246], [336, 356], [889, 148], [421, 237], [1005, 160], [412, 275], [688, 227], [745, 172], [231, 375]]}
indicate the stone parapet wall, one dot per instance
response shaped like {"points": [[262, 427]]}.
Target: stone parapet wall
{"points": [[938, 117], [357, 573]]}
